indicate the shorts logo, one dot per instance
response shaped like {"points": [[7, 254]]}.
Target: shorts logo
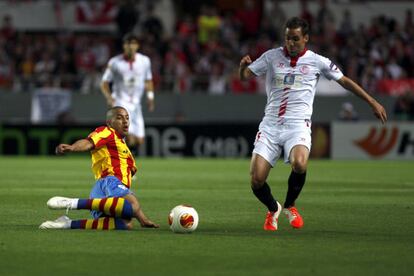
{"points": [[122, 187], [376, 143]]}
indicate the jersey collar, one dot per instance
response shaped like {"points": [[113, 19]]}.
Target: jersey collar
{"points": [[294, 60], [129, 60], [116, 133]]}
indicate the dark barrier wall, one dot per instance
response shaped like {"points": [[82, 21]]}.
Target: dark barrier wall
{"points": [[190, 108], [179, 140]]}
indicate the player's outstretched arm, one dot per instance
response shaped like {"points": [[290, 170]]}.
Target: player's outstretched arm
{"points": [[244, 72], [78, 146], [377, 108], [138, 213]]}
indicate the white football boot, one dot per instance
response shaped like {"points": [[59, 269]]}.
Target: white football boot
{"points": [[62, 222], [59, 202]]}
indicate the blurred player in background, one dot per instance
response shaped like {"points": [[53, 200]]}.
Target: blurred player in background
{"points": [[112, 204], [292, 73], [131, 76]]}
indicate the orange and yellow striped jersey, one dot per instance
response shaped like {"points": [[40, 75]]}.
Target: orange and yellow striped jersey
{"points": [[111, 155]]}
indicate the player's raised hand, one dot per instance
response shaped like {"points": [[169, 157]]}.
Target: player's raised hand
{"points": [[244, 71], [245, 61], [62, 148], [380, 112]]}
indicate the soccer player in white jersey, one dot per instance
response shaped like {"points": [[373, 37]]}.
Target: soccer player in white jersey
{"points": [[131, 76], [292, 73]]}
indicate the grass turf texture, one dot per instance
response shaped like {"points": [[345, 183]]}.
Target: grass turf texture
{"points": [[358, 220]]}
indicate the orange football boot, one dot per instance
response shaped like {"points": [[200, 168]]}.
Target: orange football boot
{"points": [[272, 218], [294, 217]]}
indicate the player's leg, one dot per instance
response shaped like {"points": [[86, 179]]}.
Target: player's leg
{"points": [[297, 148], [259, 171], [136, 132], [103, 223], [140, 126], [265, 153], [108, 208], [106, 198], [299, 161], [113, 188]]}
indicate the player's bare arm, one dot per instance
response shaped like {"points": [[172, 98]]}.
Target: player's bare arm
{"points": [[244, 72], [79, 146], [149, 89], [377, 108], [138, 213], [106, 91]]}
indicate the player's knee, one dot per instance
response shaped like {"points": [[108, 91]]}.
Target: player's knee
{"points": [[256, 181], [299, 165]]}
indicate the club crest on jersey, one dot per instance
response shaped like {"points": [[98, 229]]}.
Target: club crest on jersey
{"points": [[304, 69]]}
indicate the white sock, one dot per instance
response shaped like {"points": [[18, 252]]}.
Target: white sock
{"points": [[74, 204]]}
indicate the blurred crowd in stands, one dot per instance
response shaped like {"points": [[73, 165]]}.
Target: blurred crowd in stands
{"points": [[204, 52]]}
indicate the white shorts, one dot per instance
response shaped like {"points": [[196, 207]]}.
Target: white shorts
{"points": [[136, 120], [272, 138]]}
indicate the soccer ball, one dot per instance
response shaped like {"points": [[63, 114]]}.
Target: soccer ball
{"points": [[183, 219]]}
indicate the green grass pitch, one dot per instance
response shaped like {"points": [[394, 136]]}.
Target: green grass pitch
{"points": [[359, 220]]}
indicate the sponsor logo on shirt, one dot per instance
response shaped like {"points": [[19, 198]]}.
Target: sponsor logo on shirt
{"points": [[288, 81]]}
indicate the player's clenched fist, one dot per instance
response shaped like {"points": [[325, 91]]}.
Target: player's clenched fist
{"points": [[62, 148], [246, 60]]}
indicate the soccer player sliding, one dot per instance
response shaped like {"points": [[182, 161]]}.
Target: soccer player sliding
{"points": [[113, 205]]}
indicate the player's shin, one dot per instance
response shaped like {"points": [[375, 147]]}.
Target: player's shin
{"points": [[112, 206], [265, 196], [106, 223], [295, 185]]}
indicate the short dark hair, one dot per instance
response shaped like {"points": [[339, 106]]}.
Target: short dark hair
{"points": [[296, 22], [130, 37], [110, 113]]}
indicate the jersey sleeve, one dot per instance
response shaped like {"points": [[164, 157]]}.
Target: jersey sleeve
{"points": [[108, 74], [259, 66], [329, 69], [100, 137]]}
